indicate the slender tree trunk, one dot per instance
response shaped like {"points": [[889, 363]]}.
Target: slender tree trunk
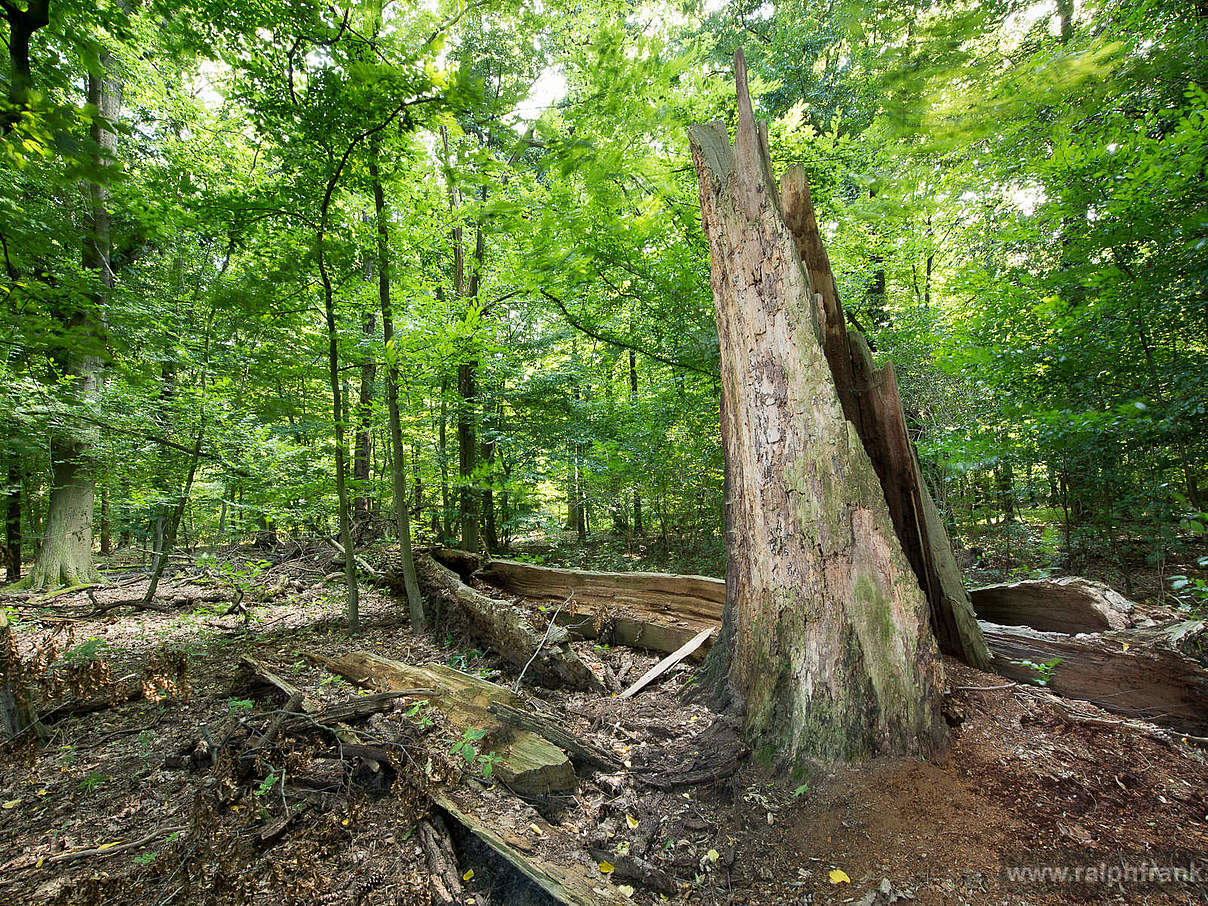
{"points": [[446, 523], [638, 529], [12, 521], [364, 442], [398, 460], [106, 529], [825, 635]]}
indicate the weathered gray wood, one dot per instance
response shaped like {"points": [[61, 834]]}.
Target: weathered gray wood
{"points": [[1139, 673], [1069, 604], [578, 749], [667, 663], [687, 596]]}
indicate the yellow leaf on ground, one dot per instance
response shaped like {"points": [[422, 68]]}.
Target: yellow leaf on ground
{"points": [[469, 875], [606, 868], [535, 829], [839, 876], [631, 821], [109, 845], [12, 803], [712, 855], [625, 889]]}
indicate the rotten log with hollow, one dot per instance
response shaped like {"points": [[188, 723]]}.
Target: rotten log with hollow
{"points": [[546, 654], [529, 764], [1069, 604]]}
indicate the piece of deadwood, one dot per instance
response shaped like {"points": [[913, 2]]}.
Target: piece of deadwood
{"points": [[529, 764], [505, 628], [640, 871], [443, 875], [574, 882], [1069, 604], [667, 663], [578, 749], [1142, 673]]}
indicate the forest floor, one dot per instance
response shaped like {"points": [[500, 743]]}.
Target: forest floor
{"points": [[94, 814]]}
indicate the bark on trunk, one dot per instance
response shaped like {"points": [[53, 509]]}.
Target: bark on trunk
{"points": [[870, 400], [398, 461], [12, 522], [826, 636], [65, 556]]}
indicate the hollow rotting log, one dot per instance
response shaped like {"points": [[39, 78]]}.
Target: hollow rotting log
{"points": [[545, 655]]}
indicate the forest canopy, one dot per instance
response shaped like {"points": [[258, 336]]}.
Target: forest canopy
{"points": [[233, 233]]}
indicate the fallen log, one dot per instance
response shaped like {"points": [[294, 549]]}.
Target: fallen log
{"points": [[578, 749], [691, 597], [547, 655], [529, 764], [1069, 604], [569, 881], [1140, 673]]}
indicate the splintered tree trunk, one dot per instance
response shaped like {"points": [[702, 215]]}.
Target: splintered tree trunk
{"points": [[825, 632], [870, 401]]}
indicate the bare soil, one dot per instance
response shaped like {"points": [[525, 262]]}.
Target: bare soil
{"points": [[93, 816]]}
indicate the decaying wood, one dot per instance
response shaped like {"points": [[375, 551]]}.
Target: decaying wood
{"points": [[1069, 604], [506, 630], [530, 765], [640, 871], [869, 397], [687, 596], [826, 635], [579, 750], [1138, 673], [1156, 676], [567, 881], [667, 663], [443, 877]]}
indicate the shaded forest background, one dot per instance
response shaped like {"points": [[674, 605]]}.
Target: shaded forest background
{"points": [[1013, 195]]}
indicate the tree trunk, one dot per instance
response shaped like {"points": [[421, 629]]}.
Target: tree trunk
{"points": [[825, 635], [870, 401], [106, 533], [398, 459], [638, 530], [12, 522], [363, 447], [65, 556]]}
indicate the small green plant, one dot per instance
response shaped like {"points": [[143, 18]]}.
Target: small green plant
{"points": [[239, 706], [145, 858], [465, 745], [146, 741], [1043, 671], [88, 650], [67, 756], [1191, 594], [486, 764], [801, 790], [92, 781], [419, 712], [266, 785], [461, 660]]}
